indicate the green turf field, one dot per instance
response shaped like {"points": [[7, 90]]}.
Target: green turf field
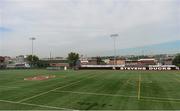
{"points": [[90, 89]]}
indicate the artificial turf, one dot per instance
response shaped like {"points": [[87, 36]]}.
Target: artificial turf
{"points": [[90, 90]]}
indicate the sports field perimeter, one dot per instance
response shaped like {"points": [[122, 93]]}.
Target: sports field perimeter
{"points": [[90, 90]]}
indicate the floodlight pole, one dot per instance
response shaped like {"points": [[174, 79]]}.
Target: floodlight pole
{"points": [[114, 36], [50, 55], [32, 39]]}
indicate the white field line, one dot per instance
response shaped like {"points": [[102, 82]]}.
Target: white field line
{"points": [[8, 87], [117, 95], [127, 82], [114, 95], [73, 83], [157, 98], [177, 75], [29, 104], [130, 82], [177, 79], [96, 94], [139, 87], [164, 101], [61, 82]]}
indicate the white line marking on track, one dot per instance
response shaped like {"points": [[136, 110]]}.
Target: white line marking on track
{"points": [[55, 89], [29, 104], [97, 94]]}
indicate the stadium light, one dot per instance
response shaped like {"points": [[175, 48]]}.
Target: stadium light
{"points": [[114, 36], [32, 39], [50, 55]]}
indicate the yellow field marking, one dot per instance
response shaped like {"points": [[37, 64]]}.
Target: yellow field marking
{"points": [[73, 83], [29, 104], [96, 94], [139, 87]]}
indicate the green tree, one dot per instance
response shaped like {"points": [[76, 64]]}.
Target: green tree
{"points": [[99, 61], [72, 58], [43, 64], [176, 60], [32, 59]]}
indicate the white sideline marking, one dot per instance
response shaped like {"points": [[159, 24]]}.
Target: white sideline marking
{"points": [[97, 94], [8, 87], [142, 97], [139, 87], [170, 99], [29, 104], [150, 100], [117, 95], [55, 89]]}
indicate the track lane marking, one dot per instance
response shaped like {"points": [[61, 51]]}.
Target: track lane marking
{"points": [[73, 83]]}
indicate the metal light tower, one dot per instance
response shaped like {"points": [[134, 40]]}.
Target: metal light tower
{"points": [[50, 55], [114, 36], [32, 39]]}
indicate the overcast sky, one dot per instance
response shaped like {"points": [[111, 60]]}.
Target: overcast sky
{"points": [[85, 26]]}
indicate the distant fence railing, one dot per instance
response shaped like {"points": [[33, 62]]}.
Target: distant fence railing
{"points": [[123, 67]]}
